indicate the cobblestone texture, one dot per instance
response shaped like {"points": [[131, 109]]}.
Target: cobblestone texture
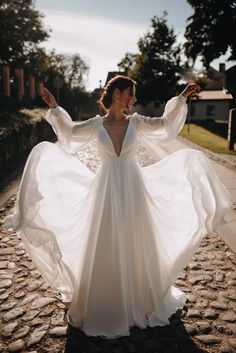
{"points": [[33, 317]]}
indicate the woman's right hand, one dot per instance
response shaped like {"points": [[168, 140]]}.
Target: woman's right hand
{"points": [[48, 98], [191, 88]]}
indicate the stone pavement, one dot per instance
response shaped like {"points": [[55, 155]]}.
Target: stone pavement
{"points": [[33, 316]]}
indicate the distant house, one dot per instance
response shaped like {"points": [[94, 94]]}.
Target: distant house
{"points": [[221, 79], [214, 105], [112, 74]]}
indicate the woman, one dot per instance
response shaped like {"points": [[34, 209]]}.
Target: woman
{"points": [[113, 243]]}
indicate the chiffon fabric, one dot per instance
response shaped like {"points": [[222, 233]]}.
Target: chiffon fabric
{"points": [[113, 242]]}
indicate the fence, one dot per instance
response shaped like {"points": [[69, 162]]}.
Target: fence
{"points": [[16, 88]]}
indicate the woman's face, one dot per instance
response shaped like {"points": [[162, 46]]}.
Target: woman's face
{"points": [[126, 98]]}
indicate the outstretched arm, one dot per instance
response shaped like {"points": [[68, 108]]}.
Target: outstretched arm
{"points": [[67, 130], [78, 128], [48, 98], [167, 126], [190, 88], [172, 107]]}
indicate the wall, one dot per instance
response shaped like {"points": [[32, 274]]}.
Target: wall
{"points": [[221, 110]]}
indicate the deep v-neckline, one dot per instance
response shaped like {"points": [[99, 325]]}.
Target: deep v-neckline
{"points": [[126, 131]]}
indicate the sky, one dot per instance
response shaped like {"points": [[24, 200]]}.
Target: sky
{"points": [[102, 31]]}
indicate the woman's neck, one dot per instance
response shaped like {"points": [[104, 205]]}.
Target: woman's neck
{"points": [[115, 115]]}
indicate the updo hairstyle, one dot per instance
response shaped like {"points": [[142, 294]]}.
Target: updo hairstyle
{"points": [[120, 82]]}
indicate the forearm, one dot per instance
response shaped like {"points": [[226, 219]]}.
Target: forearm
{"points": [[191, 88]]}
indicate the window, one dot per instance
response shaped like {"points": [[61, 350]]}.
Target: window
{"points": [[210, 110]]}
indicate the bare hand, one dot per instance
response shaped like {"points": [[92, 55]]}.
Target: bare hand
{"points": [[191, 88], [48, 98]]}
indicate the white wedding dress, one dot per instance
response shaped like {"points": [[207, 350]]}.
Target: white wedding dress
{"points": [[113, 242]]}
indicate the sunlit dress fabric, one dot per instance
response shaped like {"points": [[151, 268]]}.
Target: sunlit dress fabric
{"points": [[113, 242]]}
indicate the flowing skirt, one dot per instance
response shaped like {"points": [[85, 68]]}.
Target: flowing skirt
{"points": [[114, 242]]}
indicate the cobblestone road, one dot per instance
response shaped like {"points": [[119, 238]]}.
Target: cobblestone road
{"points": [[33, 317]]}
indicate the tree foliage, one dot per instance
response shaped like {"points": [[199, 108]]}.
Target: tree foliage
{"points": [[211, 30], [21, 35], [21, 30], [156, 67], [71, 70], [128, 62], [75, 70]]}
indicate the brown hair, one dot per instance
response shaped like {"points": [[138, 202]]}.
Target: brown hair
{"points": [[120, 82]]}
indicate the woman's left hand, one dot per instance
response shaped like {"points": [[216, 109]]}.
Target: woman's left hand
{"points": [[191, 88]]}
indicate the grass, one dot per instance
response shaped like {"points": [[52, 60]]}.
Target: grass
{"points": [[15, 120], [212, 135]]}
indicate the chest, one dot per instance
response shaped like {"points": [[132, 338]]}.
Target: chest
{"points": [[117, 140]]}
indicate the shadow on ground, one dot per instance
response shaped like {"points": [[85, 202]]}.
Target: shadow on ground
{"points": [[218, 128], [172, 338]]}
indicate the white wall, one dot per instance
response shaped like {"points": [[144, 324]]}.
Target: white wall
{"points": [[222, 108]]}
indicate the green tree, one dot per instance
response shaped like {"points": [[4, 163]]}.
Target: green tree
{"points": [[72, 70], [156, 67], [21, 33], [21, 30], [211, 30], [127, 63], [75, 70]]}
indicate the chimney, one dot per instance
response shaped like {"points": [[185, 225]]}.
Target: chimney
{"points": [[222, 67]]}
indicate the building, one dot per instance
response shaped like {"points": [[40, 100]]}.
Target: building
{"points": [[112, 74], [210, 105]]}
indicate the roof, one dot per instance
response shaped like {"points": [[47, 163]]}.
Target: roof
{"points": [[214, 95], [112, 74]]}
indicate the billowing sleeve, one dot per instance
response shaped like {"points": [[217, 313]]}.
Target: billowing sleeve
{"points": [[71, 135], [166, 127]]}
